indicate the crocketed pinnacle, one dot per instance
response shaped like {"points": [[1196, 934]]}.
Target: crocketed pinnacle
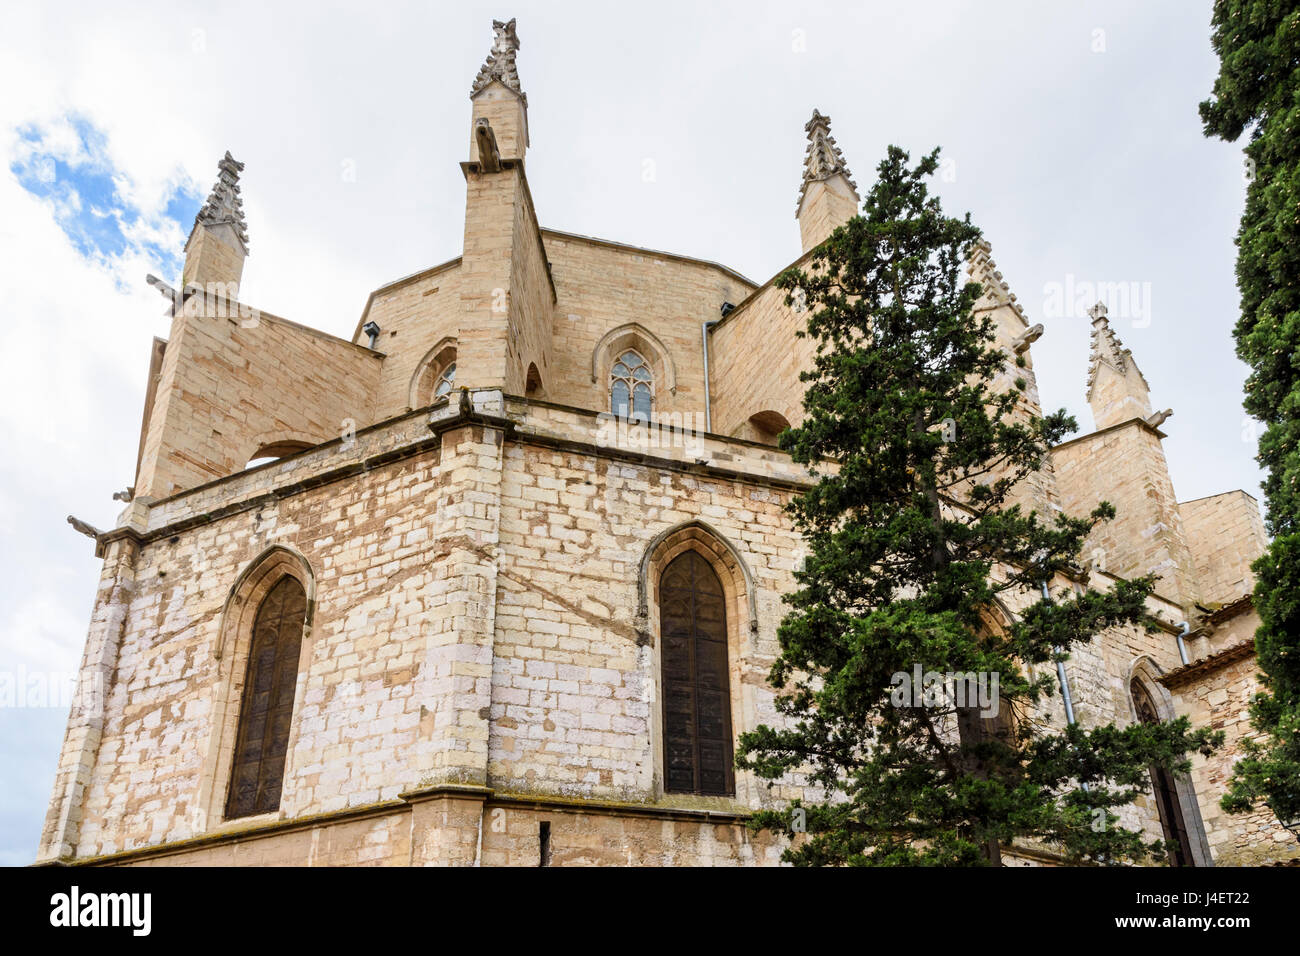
{"points": [[500, 63], [823, 158], [982, 269], [224, 205], [1105, 347]]}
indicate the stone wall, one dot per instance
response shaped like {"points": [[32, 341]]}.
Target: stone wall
{"points": [[1126, 466], [232, 383], [485, 615], [613, 297], [506, 114], [1215, 692], [417, 316], [825, 206], [754, 363], [370, 542], [1225, 534], [532, 302], [574, 672], [212, 255]]}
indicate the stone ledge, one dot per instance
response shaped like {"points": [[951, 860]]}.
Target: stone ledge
{"points": [[233, 834], [491, 799]]}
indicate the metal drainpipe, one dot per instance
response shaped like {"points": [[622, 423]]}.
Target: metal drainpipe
{"points": [[1060, 673], [704, 341], [478, 845], [1065, 684], [1182, 648]]}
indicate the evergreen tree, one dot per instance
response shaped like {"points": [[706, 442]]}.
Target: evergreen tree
{"points": [[913, 535], [1258, 89]]}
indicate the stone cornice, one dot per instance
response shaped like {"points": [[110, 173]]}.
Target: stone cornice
{"points": [[1140, 422], [141, 538], [461, 417], [437, 426]]}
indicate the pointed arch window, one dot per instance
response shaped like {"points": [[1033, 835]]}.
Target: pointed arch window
{"points": [[696, 693], [435, 375], [261, 745], [1173, 822], [631, 386], [445, 383]]}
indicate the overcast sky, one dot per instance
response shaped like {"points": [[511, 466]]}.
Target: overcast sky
{"points": [[1071, 129]]}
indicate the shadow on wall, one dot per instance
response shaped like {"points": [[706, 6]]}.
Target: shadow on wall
{"points": [[765, 428]]}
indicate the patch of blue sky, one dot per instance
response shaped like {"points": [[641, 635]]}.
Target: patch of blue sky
{"points": [[68, 166]]}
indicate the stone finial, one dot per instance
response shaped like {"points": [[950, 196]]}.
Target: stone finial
{"points": [[982, 269], [500, 63], [1106, 348], [823, 158], [224, 205]]}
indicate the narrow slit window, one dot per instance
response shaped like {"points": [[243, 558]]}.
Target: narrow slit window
{"points": [[544, 843]]}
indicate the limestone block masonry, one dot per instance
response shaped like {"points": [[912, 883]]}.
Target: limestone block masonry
{"points": [[480, 543]]}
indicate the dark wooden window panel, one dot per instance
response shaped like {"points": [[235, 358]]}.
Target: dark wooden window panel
{"points": [[698, 754], [266, 708], [1172, 822]]}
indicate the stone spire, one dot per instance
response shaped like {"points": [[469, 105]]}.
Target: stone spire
{"points": [[823, 158], [982, 269], [500, 116], [828, 196], [500, 63], [1117, 389], [218, 243], [224, 205]]}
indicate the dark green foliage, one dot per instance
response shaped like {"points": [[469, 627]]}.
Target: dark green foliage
{"points": [[1258, 90], [905, 533]]}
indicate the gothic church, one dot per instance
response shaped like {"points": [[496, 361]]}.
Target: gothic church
{"points": [[450, 616]]}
